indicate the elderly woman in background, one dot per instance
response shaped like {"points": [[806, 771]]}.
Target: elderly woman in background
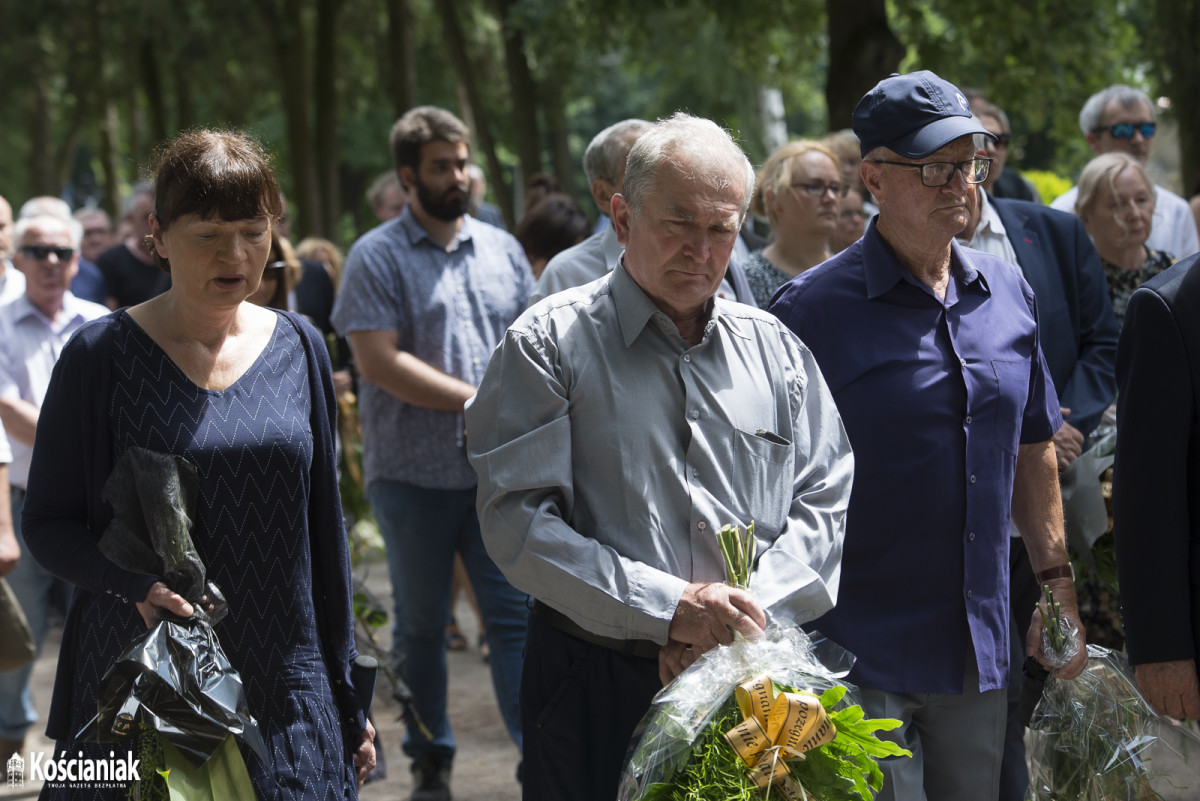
{"points": [[244, 394], [798, 191], [1116, 205], [852, 221]]}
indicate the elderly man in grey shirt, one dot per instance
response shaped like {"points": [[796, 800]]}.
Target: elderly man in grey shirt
{"points": [[617, 428]]}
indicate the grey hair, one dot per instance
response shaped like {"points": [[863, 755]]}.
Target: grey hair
{"points": [[382, 183], [1125, 96], [608, 150], [45, 206], [73, 227], [983, 108], [698, 148]]}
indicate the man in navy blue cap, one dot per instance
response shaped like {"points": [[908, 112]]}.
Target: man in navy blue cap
{"points": [[932, 354]]}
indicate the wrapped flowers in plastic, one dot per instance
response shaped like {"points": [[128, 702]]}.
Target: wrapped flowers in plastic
{"points": [[174, 680], [762, 719], [1094, 738]]}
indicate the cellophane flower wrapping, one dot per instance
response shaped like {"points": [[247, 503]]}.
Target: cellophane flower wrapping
{"points": [[1094, 738], [687, 712]]}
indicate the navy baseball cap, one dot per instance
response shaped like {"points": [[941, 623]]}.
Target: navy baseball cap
{"points": [[913, 115]]}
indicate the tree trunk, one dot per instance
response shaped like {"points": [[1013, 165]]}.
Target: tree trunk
{"points": [[152, 85], [325, 78], [185, 105], [287, 32], [862, 51], [110, 156], [41, 151], [554, 111], [521, 85], [1178, 24], [402, 62], [456, 45]]}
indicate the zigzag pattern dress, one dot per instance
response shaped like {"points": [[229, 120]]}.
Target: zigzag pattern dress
{"points": [[253, 446]]}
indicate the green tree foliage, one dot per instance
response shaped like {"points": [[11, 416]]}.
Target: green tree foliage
{"points": [[92, 85]]}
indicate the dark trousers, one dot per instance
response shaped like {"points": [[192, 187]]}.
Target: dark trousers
{"points": [[579, 705], [1024, 593]]}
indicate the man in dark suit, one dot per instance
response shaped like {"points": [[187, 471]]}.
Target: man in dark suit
{"points": [[1156, 487], [1079, 342]]}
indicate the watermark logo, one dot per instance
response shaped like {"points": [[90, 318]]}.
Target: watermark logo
{"points": [[111, 772], [15, 769]]}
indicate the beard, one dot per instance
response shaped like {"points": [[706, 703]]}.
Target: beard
{"points": [[444, 207]]}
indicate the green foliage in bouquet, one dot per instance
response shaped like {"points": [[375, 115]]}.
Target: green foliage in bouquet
{"points": [[842, 770], [737, 549]]}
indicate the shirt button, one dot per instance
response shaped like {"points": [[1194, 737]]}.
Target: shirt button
{"points": [[968, 593], [695, 472], [687, 358], [460, 287], [695, 414], [972, 479], [702, 525], [971, 537], [968, 419], [963, 362]]}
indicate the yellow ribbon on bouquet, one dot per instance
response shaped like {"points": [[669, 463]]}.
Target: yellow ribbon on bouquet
{"points": [[779, 726]]}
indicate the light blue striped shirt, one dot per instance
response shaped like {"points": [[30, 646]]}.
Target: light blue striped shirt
{"points": [[449, 309]]}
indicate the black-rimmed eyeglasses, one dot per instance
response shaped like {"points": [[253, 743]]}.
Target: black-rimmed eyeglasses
{"points": [[42, 252], [274, 269], [939, 173], [818, 189], [1125, 130]]}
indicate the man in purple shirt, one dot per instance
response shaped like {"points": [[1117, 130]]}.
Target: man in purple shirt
{"points": [[931, 352]]}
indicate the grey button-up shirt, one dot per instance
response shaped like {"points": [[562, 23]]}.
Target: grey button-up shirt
{"points": [[449, 309], [610, 453]]}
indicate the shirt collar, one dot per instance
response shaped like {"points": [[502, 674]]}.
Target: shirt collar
{"points": [[416, 232], [23, 309], [883, 270], [635, 308], [990, 224]]}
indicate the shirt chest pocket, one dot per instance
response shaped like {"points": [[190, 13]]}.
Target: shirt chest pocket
{"points": [[761, 473], [1012, 393]]}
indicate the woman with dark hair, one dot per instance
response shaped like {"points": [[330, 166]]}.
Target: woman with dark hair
{"points": [[280, 276], [553, 225], [244, 394]]}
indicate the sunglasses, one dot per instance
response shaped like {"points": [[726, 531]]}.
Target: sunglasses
{"points": [[1125, 130], [1002, 139], [42, 252]]}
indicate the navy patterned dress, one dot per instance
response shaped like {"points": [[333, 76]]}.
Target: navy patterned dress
{"points": [[253, 446]]}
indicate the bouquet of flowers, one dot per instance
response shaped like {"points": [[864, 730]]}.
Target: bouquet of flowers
{"points": [[1094, 738], [754, 720]]}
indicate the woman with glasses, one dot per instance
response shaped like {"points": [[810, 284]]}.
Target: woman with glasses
{"points": [[798, 191], [1116, 205]]}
